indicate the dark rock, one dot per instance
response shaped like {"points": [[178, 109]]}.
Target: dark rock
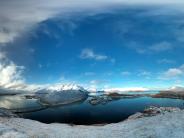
{"points": [[170, 94], [99, 100], [6, 113], [153, 111]]}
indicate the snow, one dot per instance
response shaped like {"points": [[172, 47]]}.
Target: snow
{"points": [[177, 89], [8, 132], [57, 97], [124, 90], [48, 95], [35, 88], [168, 125], [61, 87]]}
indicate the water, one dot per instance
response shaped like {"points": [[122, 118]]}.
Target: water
{"points": [[18, 103], [91, 111], [106, 112]]}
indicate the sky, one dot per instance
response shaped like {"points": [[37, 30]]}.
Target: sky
{"points": [[96, 44]]}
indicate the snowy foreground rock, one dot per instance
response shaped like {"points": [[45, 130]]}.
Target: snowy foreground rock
{"points": [[167, 125]]}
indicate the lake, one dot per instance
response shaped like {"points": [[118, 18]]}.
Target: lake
{"points": [[106, 112], [94, 110]]}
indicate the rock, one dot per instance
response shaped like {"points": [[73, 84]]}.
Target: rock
{"points": [[6, 113], [119, 96], [160, 110], [175, 94], [153, 111], [135, 116], [61, 97], [99, 100]]}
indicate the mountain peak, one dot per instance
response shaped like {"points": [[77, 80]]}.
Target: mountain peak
{"points": [[61, 87]]}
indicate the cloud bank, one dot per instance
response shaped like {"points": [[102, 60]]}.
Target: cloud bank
{"points": [[19, 16]]}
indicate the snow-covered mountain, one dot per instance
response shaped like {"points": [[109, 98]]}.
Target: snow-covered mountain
{"points": [[177, 89], [61, 87], [122, 90]]}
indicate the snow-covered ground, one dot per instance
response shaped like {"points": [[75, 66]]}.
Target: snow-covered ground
{"points": [[168, 125]]}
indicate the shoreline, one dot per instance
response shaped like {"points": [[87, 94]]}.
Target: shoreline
{"points": [[169, 120]]}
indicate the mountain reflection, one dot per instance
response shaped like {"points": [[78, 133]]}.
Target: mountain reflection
{"points": [[19, 103]]}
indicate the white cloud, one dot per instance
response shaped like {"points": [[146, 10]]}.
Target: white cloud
{"points": [[166, 61], [125, 73], [89, 73], [89, 54], [144, 73], [161, 47], [173, 73], [98, 82], [10, 75]]}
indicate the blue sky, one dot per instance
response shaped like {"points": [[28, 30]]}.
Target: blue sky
{"points": [[121, 46]]}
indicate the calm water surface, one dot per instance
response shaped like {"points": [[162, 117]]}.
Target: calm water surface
{"points": [[110, 112]]}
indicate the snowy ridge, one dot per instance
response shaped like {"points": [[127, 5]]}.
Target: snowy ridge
{"points": [[121, 90], [177, 89], [61, 87]]}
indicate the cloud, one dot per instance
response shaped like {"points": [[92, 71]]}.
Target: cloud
{"points": [[145, 74], [98, 82], [89, 73], [125, 73], [173, 73], [149, 49], [166, 61], [89, 54], [17, 17], [10, 74], [161, 47]]}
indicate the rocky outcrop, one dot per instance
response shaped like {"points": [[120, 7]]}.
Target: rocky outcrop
{"points": [[173, 92], [99, 100], [170, 94], [153, 111], [119, 96], [6, 113]]}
